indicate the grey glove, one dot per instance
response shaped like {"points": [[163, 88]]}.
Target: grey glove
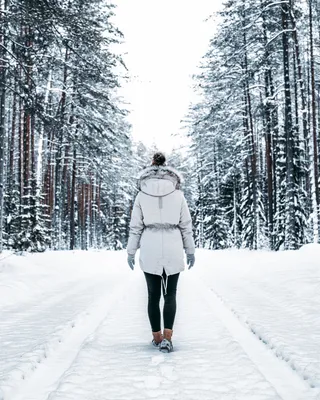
{"points": [[191, 260], [131, 261]]}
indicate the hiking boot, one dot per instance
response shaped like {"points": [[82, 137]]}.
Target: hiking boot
{"points": [[157, 339], [166, 344]]}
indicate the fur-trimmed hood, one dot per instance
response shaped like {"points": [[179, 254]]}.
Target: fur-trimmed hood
{"points": [[159, 180]]}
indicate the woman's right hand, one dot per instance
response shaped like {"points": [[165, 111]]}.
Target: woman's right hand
{"points": [[131, 261], [191, 260]]}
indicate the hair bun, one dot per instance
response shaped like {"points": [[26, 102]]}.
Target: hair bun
{"points": [[158, 159]]}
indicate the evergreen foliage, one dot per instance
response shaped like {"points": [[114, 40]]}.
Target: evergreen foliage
{"points": [[255, 131], [64, 137]]}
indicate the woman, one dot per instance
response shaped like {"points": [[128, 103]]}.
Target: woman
{"points": [[161, 226]]}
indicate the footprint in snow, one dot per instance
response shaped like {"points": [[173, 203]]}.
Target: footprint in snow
{"points": [[168, 372], [156, 360], [152, 382]]}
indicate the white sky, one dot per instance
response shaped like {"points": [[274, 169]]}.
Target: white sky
{"points": [[164, 43]]}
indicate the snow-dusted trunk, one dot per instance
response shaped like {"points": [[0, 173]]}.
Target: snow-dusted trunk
{"points": [[250, 143], [60, 159], [290, 239], [3, 85], [88, 215], [269, 157], [268, 133], [235, 215], [98, 221], [27, 142], [41, 136], [92, 213], [13, 138], [200, 237], [315, 171], [253, 163], [73, 200], [303, 97], [82, 215]]}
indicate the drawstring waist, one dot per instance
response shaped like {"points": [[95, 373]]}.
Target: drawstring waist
{"points": [[164, 227]]}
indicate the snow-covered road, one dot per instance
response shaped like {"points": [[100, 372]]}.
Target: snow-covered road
{"points": [[74, 326]]}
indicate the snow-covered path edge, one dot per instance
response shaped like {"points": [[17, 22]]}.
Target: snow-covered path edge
{"points": [[46, 377], [285, 381], [267, 341]]}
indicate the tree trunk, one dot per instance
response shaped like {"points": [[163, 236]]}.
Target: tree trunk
{"points": [[315, 192], [290, 240], [303, 95], [73, 199], [60, 142], [13, 133], [3, 84], [250, 138]]}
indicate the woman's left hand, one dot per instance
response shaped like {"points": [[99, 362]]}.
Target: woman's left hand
{"points": [[131, 261], [191, 260]]}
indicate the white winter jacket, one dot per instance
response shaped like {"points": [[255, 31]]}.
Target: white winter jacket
{"points": [[160, 222]]}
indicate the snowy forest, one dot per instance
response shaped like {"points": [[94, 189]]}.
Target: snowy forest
{"points": [[64, 138], [255, 132], [67, 157]]}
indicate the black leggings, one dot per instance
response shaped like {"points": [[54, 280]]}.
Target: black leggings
{"points": [[154, 294]]}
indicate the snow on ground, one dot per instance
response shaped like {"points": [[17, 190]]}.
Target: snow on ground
{"points": [[74, 327], [278, 296], [42, 298]]}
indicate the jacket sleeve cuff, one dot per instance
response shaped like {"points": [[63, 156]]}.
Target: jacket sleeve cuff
{"points": [[190, 251]]}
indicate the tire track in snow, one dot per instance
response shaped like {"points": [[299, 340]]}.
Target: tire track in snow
{"points": [[269, 343], [25, 348], [46, 377], [285, 381]]}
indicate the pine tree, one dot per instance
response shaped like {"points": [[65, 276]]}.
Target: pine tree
{"points": [[252, 122], [62, 119]]}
